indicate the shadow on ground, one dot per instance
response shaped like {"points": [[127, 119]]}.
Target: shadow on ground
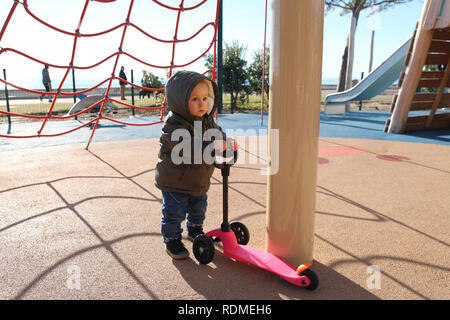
{"points": [[228, 279]]}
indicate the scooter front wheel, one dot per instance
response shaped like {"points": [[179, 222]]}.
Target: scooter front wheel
{"points": [[241, 232], [313, 279], [203, 248]]}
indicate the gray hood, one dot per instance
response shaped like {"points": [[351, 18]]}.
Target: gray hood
{"points": [[178, 91]]}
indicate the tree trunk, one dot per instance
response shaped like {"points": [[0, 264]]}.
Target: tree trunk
{"points": [[343, 72], [231, 99], [351, 46], [232, 87], [371, 51], [350, 55], [347, 57]]}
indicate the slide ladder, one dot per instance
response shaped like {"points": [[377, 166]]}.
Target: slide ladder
{"points": [[422, 102], [431, 89]]}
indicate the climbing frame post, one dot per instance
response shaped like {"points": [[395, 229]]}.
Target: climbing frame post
{"points": [[295, 93], [413, 73]]}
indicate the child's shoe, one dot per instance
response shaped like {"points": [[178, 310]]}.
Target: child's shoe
{"points": [[176, 249], [195, 231]]}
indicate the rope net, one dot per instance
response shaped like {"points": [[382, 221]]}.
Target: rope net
{"points": [[176, 37]]}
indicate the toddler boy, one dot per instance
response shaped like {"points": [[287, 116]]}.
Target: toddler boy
{"points": [[192, 100]]}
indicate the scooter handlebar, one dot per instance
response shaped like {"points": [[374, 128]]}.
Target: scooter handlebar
{"points": [[225, 158]]}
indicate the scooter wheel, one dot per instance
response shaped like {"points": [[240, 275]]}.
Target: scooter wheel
{"points": [[313, 279], [241, 232], [203, 249]]}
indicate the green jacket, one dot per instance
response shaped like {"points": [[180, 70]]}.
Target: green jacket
{"points": [[192, 179]]}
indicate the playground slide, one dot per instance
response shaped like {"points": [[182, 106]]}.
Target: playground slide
{"points": [[87, 101], [376, 82]]}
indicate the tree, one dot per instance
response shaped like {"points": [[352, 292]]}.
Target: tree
{"points": [[234, 70], [355, 7], [255, 70], [149, 80], [209, 63]]}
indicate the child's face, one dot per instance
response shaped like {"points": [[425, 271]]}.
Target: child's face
{"points": [[198, 101]]}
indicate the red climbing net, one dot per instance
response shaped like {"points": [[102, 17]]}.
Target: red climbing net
{"points": [[121, 51]]}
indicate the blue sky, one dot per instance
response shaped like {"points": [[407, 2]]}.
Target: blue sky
{"points": [[243, 21], [392, 28]]}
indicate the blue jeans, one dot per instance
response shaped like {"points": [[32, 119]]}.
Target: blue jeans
{"points": [[176, 207]]}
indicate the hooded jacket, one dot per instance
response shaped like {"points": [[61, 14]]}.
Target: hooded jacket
{"points": [[188, 178]]}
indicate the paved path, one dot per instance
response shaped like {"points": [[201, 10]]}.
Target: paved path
{"points": [[78, 224], [66, 211]]}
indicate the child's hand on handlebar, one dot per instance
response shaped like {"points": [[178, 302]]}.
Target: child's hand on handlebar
{"points": [[235, 145], [221, 145]]}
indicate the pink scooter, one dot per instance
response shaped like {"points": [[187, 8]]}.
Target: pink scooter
{"points": [[234, 237]]}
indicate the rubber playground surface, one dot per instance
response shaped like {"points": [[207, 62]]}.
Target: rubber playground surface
{"points": [[79, 224]]}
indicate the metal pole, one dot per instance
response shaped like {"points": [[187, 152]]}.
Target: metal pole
{"points": [[74, 89], [220, 56], [225, 227], [232, 84], [360, 101], [73, 85], [7, 103], [132, 93]]}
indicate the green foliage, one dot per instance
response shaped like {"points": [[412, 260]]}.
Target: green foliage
{"points": [[255, 70], [209, 62], [348, 6], [149, 80], [234, 70]]}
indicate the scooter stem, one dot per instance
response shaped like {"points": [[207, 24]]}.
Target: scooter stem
{"points": [[225, 227]]}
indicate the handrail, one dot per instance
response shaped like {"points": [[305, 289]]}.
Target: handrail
{"points": [[437, 14]]}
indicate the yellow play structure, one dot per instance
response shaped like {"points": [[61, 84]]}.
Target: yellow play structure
{"points": [[430, 47]]}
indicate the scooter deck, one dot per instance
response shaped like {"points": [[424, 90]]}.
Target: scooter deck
{"points": [[258, 257]]}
